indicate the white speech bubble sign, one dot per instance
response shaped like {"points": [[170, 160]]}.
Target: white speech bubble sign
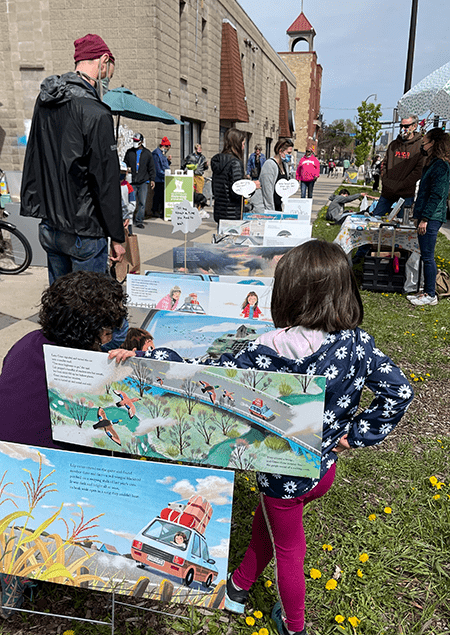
{"points": [[185, 218], [244, 187], [285, 188]]}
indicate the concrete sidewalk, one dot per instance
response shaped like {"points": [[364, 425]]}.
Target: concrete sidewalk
{"points": [[20, 295]]}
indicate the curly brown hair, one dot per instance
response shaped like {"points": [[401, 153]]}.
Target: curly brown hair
{"points": [[78, 306], [441, 146]]}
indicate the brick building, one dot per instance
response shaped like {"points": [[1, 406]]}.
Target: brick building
{"points": [[308, 73], [203, 61]]}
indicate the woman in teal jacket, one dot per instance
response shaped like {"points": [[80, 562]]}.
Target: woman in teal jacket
{"points": [[430, 209]]}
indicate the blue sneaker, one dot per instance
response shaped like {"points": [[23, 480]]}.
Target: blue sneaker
{"points": [[277, 617], [234, 599]]}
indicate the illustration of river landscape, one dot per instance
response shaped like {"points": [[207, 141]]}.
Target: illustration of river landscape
{"points": [[193, 336], [138, 528], [225, 417]]}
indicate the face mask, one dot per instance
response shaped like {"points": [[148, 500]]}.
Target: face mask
{"points": [[105, 85], [423, 152], [287, 158], [166, 149], [136, 144], [404, 132]]}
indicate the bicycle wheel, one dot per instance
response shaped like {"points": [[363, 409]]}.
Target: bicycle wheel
{"points": [[15, 250]]}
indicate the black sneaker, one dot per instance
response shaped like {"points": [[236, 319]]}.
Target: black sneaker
{"points": [[234, 599], [140, 225]]}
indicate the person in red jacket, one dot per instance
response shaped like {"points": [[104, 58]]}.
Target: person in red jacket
{"points": [[307, 172]]}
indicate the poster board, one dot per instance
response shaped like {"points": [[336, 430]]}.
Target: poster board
{"points": [[220, 416], [200, 297], [228, 259], [302, 207], [267, 233], [109, 523], [178, 187], [195, 336]]}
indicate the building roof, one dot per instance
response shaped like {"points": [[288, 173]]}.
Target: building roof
{"points": [[300, 24], [233, 105]]}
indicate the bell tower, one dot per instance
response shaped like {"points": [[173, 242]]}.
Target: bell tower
{"points": [[299, 30]]}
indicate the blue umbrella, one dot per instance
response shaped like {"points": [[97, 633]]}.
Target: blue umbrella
{"points": [[126, 104]]}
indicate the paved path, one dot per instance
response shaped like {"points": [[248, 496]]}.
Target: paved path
{"points": [[20, 295]]}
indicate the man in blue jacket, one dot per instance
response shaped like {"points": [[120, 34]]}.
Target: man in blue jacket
{"points": [[140, 160], [162, 162], [71, 168]]}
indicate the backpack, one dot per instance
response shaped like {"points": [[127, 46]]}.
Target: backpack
{"points": [[442, 283]]}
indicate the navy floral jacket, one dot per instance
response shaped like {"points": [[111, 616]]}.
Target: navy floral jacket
{"points": [[349, 360]]}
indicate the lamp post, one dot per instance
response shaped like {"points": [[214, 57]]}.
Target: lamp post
{"points": [[411, 45]]}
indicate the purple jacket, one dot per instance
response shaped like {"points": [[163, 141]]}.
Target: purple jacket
{"points": [[23, 394]]}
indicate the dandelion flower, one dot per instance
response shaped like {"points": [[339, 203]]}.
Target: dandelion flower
{"points": [[327, 547], [433, 480], [268, 584], [387, 510], [359, 573], [364, 557], [258, 614], [253, 513], [330, 585], [69, 633], [436, 497], [372, 517], [263, 631], [253, 489], [439, 485], [339, 619], [250, 620], [315, 574], [354, 621]]}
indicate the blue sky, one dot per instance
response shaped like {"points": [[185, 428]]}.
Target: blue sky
{"points": [[362, 46]]}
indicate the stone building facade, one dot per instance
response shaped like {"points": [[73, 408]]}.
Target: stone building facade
{"points": [[174, 54]]}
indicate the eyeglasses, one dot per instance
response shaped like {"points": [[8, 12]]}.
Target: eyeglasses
{"points": [[406, 125]]}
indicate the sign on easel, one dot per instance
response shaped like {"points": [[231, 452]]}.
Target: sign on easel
{"points": [[178, 187]]}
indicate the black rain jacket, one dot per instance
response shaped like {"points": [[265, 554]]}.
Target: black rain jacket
{"points": [[71, 176], [226, 169], [146, 170]]}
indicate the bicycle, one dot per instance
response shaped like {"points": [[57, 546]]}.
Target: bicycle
{"points": [[15, 250]]}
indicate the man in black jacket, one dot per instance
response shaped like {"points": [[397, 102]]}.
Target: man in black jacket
{"points": [[71, 169], [143, 172]]}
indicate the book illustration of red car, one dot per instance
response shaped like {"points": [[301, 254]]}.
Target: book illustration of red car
{"points": [[174, 543], [258, 409]]}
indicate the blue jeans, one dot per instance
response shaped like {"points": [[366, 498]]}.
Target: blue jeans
{"points": [[384, 206], [141, 199], [427, 243], [306, 185], [69, 252]]}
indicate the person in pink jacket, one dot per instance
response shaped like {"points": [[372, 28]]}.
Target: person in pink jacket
{"points": [[307, 172]]}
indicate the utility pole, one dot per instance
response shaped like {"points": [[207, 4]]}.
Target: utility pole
{"points": [[411, 45]]}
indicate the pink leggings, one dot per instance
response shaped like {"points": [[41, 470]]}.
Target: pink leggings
{"points": [[278, 530]]}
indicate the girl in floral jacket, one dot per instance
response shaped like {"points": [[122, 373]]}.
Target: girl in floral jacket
{"points": [[317, 310]]}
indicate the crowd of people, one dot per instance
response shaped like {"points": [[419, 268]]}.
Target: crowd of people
{"points": [[316, 307]]}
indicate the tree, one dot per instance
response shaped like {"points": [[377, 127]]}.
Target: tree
{"points": [[255, 379], [142, 375], [79, 409], [205, 425], [368, 127], [189, 387], [157, 407], [179, 433], [338, 136]]}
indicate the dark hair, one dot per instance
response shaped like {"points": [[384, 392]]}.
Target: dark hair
{"points": [[314, 287], [258, 146], [232, 142], [78, 306], [200, 200], [344, 191], [282, 144], [244, 304], [136, 339], [441, 146]]}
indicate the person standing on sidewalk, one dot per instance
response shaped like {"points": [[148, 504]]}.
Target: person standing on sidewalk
{"points": [[143, 173], [162, 161], [308, 171], [430, 210], [71, 168]]}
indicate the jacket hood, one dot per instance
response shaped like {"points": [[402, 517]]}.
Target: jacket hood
{"points": [[220, 161], [58, 89]]}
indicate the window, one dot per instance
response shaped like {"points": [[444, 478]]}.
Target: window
{"points": [[268, 147], [191, 133], [196, 547]]}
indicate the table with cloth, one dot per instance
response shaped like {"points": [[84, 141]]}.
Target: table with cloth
{"points": [[362, 230]]}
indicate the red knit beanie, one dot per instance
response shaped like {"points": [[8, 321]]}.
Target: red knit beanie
{"points": [[165, 142], [91, 47]]}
